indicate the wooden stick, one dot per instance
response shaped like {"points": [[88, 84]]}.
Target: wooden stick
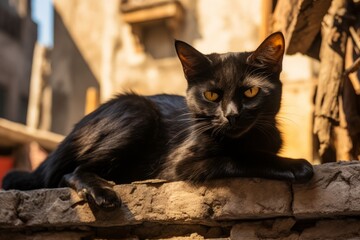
{"points": [[351, 73], [354, 36], [355, 83], [353, 68]]}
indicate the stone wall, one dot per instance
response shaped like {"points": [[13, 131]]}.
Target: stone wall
{"points": [[325, 208]]}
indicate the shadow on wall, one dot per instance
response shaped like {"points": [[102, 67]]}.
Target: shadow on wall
{"points": [[70, 80]]}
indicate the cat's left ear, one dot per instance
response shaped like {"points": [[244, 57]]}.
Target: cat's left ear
{"points": [[270, 53], [192, 61]]}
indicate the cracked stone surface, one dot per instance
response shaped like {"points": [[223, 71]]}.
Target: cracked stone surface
{"points": [[334, 190]]}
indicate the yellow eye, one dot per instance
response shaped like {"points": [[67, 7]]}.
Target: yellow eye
{"points": [[211, 96], [252, 92]]}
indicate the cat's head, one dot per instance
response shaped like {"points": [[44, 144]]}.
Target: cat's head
{"points": [[234, 92]]}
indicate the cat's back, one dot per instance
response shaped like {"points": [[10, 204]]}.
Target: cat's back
{"points": [[170, 106], [132, 106], [129, 109]]}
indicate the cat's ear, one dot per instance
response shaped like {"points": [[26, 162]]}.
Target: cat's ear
{"points": [[270, 53], [192, 61]]}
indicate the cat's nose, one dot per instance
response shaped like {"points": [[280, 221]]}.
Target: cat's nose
{"points": [[232, 119]]}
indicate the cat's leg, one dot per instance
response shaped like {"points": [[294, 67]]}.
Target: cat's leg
{"points": [[259, 165], [301, 169], [94, 189], [275, 167], [114, 146]]}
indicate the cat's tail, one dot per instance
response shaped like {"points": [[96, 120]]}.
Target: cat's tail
{"points": [[22, 180]]}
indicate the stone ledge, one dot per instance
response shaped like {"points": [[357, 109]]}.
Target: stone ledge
{"points": [[333, 193], [151, 201]]}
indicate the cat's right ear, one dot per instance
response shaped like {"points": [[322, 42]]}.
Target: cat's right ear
{"points": [[192, 61], [270, 53]]}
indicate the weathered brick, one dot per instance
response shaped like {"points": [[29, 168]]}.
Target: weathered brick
{"points": [[334, 191], [268, 229]]}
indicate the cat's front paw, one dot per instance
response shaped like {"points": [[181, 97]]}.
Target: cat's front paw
{"points": [[301, 169], [104, 198]]}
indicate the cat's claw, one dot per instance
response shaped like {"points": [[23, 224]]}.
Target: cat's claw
{"points": [[104, 198]]}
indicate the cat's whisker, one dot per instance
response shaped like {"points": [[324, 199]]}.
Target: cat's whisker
{"points": [[219, 129], [266, 131], [190, 120], [267, 127], [183, 131], [195, 128], [267, 123], [286, 121], [198, 130], [186, 114], [281, 118], [202, 129], [189, 117]]}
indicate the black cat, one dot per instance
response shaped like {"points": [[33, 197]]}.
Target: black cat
{"points": [[225, 127]]}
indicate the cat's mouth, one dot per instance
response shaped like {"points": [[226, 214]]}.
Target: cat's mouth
{"points": [[236, 132], [237, 129]]}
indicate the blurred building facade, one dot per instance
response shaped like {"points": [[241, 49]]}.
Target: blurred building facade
{"points": [[18, 35], [102, 48]]}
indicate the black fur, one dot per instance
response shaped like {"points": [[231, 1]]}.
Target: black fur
{"points": [[133, 137]]}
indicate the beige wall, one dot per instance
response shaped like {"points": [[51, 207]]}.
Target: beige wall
{"points": [[209, 25], [107, 44], [72, 70], [295, 119]]}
